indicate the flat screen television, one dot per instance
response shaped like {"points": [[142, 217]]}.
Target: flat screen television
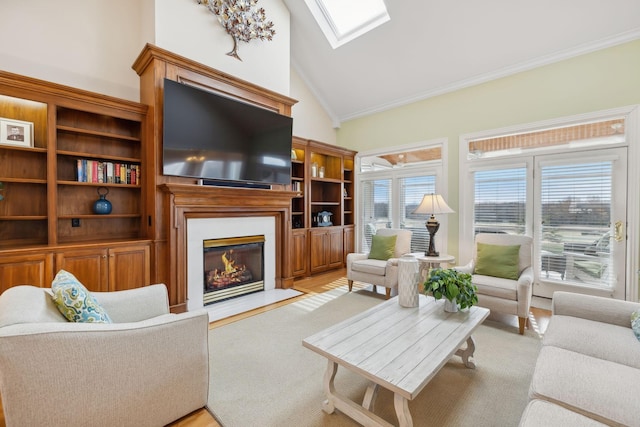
{"points": [[223, 140]]}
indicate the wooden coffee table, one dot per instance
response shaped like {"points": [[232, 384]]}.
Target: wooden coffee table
{"points": [[395, 347]]}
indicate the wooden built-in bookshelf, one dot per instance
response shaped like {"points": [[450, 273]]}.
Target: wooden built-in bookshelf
{"points": [[46, 212]]}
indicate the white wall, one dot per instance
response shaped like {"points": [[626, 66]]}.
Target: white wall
{"points": [[310, 120], [88, 44], [91, 45], [189, 29]]}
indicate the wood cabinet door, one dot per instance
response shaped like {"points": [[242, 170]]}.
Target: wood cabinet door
{"points": [[33, 269], [129, 267], [335, 247], [349, 242], [88, 265], [318, 250], [299, 252]]}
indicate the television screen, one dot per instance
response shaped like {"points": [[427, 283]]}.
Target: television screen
{"points": [[213, 137]]}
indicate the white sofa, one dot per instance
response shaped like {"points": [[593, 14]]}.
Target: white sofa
{"points": [[588, 370], [148, 368]]}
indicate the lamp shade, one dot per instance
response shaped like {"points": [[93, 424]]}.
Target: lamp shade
{"points": [[432, 204]]}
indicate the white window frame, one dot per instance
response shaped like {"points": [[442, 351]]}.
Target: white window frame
{"points": [[434, 167], [632, 141]]}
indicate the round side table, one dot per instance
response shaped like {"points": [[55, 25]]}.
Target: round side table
{"points": [[429, 262]]}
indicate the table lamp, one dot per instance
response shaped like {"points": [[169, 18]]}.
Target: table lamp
{"points": [[432, 204]]}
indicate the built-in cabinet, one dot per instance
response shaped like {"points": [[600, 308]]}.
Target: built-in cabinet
{"points": [[107, 269], [76, 142], [322, 177], [325, 249], [299, 252], [25, 268]]}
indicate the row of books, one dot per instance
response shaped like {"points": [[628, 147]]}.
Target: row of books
{"points": [[107, 172]]}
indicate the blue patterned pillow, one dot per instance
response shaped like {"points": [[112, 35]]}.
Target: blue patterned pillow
{"points": [[635, 323], [75, 302]]}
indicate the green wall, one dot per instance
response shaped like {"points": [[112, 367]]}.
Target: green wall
{"points": [[605, 79]]}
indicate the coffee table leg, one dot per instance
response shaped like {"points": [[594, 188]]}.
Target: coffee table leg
{"points": [[467, 352], [329, 389], [370, 396], [402, 411]]}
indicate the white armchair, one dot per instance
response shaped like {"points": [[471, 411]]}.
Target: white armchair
{"points": [[379, 272], [148, 368], [500, 294]]}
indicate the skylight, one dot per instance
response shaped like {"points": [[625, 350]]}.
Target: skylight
{"points": [[343, 20]]}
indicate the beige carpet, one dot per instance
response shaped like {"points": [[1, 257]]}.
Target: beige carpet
{"points": [[261, 376]]}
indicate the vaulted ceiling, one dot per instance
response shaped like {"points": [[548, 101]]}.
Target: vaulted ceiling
{"points": [[432, 47]]}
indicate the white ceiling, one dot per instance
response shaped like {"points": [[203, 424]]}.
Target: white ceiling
{"points": [[431, 47]]}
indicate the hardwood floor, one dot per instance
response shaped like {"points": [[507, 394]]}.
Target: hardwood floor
{"points": [[538, 320]]}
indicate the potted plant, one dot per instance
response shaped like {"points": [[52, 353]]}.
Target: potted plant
{"points": [[456, 287]]}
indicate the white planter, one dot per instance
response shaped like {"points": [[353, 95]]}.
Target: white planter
{"points": [[450, 306]]}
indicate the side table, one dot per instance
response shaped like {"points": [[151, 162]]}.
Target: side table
{"points": [[429, 262]]}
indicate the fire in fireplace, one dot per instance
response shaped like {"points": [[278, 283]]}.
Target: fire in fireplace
{"points": [[233, 267]]}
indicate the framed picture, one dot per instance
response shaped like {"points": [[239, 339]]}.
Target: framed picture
{"points": [[16, 132]]}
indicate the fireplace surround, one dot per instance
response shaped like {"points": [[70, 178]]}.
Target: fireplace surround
{"points": [[186, 203], [201, 230]]}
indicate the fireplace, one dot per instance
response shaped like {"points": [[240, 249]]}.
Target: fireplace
{"points": [[233, 267], [226, 230]]}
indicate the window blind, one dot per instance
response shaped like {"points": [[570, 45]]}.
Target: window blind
{"points": [[375, 208], [575, 208], [500, 201], [585, 133], [412, 189]]}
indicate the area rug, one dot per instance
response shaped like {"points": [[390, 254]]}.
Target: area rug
{"points": [[261, 375]]}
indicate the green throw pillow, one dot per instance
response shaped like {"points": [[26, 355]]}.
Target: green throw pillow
{"points": [[635, 323], [498, 261], [75, 302], [382, 247]]}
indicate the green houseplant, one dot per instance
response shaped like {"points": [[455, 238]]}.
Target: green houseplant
{"points": [[454, 286]]}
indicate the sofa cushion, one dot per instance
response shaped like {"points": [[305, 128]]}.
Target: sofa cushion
{"points": [[599, 389], [540, 413], [498, 260], [635, 323], [382, 247], [597, 339], [496, 287], [74, 301], [370, 266], [28, 304]]}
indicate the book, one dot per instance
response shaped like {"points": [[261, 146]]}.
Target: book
{"points": [[79, 171], [109, 173]]}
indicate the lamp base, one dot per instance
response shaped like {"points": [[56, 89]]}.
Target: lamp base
{"points": [[433, 225]]}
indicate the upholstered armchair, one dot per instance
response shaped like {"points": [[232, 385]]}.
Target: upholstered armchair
{"points": [[377, 269], [501, 269], [146, 368]]}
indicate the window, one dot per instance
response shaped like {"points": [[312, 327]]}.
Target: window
{"points": [[391, 185], [375, 205], [566, 186], [344, 20], [412, 189], [575, 214], [500, 201]]}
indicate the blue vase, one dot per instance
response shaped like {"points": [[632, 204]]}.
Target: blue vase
{"points": [[102, 206]]}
